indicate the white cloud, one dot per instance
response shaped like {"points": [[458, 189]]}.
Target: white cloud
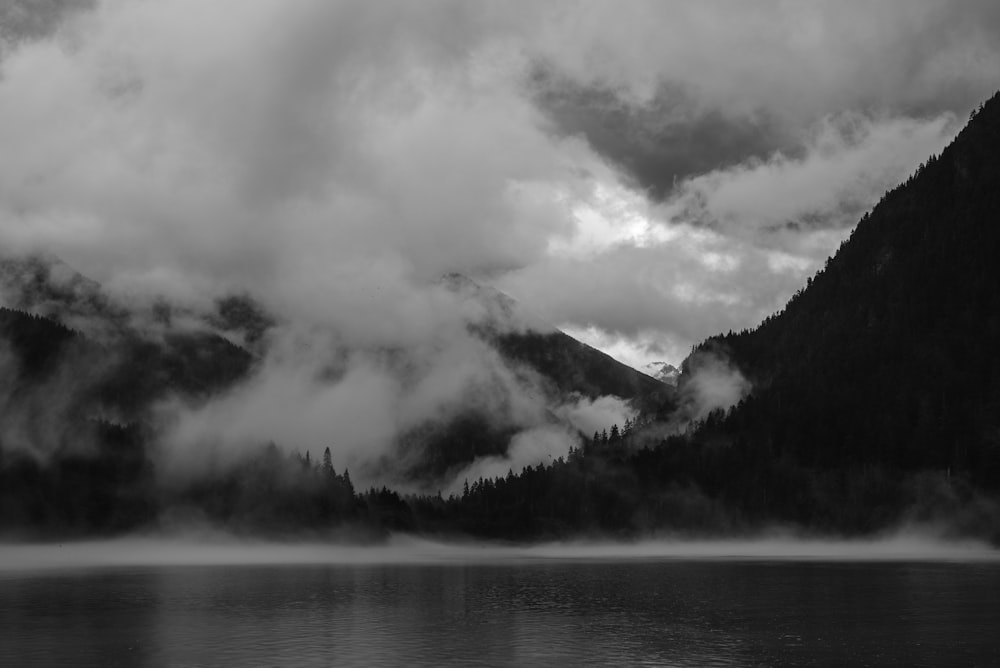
{"points": [[712, 384], [849, 161], [590, 415], [646, 282], [311, 392], [288, 147], [541, 445], [336, 157]]}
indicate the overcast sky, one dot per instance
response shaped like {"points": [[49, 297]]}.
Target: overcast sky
{"points": [[642, 174]]}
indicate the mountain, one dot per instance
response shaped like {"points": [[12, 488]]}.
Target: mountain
{"points": [[663, 372], [843, 430], [564, 368], [44, 285], [844, 426], [82, 375], [124, 359], [569, 365], [841, 373], [573, 366], [121, 360]]}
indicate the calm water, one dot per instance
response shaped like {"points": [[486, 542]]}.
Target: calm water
{"points": [[554, 612]]}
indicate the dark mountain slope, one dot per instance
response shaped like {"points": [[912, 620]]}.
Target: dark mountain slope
{"points": [[566, 368], [33, 345], [569, 365], [875, 400], [44, 285], [55, 321], [576, 367], [889, 357], [125, 359]]}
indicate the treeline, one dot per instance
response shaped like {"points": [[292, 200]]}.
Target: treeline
{"points": [[127, 372], [698, 483], [694, 483]]}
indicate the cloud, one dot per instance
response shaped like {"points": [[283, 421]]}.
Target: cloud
{"points": [[312, 392], [590, 415], [656, 142], [22, 20], [335, 158], [668, 90], [303, 148], [710, 382], [291, 403], [848, 162], [666, 295], [541, 445], [729, 247], [43, 399], [799, 61]]}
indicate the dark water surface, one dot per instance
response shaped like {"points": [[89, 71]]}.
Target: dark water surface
{"points": [[632, 612]]}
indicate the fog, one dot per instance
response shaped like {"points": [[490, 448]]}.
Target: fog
{"points": [[360, 390], [334, 159], [220, 549], [708, 383], [315, 152]]}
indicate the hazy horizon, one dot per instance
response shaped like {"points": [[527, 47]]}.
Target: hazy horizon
{"points": [[219, 548]]}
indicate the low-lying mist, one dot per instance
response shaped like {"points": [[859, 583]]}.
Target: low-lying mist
{"points": [[220, 549]]}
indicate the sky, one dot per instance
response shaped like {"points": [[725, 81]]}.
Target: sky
{"points": [[640, 174]]}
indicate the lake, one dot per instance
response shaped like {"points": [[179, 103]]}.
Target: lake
{"points": [[506, 610]]}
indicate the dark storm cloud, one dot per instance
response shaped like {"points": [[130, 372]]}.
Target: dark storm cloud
{"points": [[659, 141], [668, 91], [36, 19]]}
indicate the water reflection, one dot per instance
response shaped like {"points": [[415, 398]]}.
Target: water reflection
{"points": [[635, 613]]}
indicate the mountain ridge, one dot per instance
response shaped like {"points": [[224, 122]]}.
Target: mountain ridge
{"points": [[916, 284], [842, 431], [128, 370]]}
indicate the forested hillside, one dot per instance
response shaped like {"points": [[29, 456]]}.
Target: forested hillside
{"points": [[889, 357], [875, 402]]}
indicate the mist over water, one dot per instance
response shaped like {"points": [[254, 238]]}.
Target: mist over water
{"points": [[225, 550], [216, 601]]}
